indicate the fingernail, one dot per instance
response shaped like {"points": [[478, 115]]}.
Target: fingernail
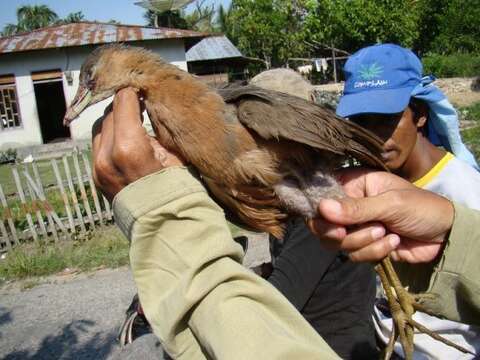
{"points": [[394, 240], [331, 205], [378, 232]]}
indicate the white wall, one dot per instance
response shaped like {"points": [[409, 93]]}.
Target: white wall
{"points": [[23, 64]]}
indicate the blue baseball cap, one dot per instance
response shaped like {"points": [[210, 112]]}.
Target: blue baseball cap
{"points": [[379, 79]]}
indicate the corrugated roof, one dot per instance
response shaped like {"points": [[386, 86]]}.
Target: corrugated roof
{"points": [[88, 33], [211, 48]]}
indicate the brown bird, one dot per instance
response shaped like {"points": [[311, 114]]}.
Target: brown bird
{"points": [[263, 154]]}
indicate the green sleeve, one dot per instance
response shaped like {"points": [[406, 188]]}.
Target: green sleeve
{"points": [[200, 301], [456, 278]]}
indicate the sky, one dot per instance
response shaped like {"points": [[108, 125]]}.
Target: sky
{"points": [[123, 11]]}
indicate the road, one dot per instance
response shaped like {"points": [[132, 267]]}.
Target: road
{"points": [[78, 316], [71, 317]]}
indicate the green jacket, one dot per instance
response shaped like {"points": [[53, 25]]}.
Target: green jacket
{"points": [[203, 304]]}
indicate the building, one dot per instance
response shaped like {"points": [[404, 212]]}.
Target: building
{"points": [[39, 73], [216, 61]]}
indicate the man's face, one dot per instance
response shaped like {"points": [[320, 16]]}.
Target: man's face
{"points": [[398, 131]]}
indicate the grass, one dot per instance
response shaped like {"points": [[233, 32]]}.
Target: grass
{"points": [[471, 112], [50, 185], [471, 136], [104, 248], [45, 171]]}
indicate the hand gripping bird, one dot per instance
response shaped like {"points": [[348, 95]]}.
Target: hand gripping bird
{"points": [[264, 155]]}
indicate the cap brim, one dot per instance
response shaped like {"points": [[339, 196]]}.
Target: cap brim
{"points": [[389, 101]]}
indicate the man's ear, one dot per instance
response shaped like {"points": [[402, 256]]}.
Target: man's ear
{"points": [[421, 114]]}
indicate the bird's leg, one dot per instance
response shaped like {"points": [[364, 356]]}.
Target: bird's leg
{"points": [[398, 315], [402, 306]]}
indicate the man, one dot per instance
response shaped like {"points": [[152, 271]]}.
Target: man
{"points": [[202, 303], [335, 295], [386, 93]]}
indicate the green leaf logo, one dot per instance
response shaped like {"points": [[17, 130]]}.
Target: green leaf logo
{"points": [[370, 72]]}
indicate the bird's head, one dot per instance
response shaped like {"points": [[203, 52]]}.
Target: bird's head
{"points": [[105, 71]]}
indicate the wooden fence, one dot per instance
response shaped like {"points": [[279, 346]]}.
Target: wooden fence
{"points": [[29, 214]]}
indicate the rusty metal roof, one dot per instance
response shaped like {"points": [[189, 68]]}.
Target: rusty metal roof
{"points": [[88, 33], [213, 48]]}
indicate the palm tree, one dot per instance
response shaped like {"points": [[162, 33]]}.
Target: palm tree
{"points": [[30, 18], [34, 17], [73, 17], [9, 29]]}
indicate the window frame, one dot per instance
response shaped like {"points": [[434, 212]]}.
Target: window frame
{"points": [[12, 85]]}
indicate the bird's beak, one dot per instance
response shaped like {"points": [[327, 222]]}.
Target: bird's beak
{"points": [[81, 101]]}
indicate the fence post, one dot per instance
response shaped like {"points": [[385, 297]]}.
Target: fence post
{"points": [[5, 234], [107, 208], [23, 201], [51, 215], [38, 213], [64, 195], [73, 194], [8, 214], [83, 192], [93, 189]]}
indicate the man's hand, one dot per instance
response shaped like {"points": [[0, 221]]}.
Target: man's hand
{"points": [[384, 214], [122, 150]]}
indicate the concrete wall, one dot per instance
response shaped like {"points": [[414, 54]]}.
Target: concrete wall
{"points": [[23, 64]]}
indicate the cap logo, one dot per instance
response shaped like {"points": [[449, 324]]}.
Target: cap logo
{"points": [[370, 75]]}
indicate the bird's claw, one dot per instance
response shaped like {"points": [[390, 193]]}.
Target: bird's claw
{"points": [[402, 307]]}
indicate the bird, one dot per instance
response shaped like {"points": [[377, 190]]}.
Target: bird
{"points": [[264, 155]]}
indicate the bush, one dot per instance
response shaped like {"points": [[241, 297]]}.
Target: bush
{"points": [[456, 65]]}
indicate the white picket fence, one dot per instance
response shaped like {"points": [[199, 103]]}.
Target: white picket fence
{"points": [[84, 209]]}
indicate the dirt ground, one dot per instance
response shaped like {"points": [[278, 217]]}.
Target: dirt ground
{"points": [[458, 90]]}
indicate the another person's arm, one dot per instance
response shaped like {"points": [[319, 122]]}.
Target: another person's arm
{"points": [[387, 215], [199, 300]]}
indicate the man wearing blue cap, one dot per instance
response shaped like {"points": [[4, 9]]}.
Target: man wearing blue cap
{"points": [[386, 93]]}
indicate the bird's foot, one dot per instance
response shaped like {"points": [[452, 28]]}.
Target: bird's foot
{"points": [[402, 307]]}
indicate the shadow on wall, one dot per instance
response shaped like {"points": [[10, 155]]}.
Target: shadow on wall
{"points": [[66, 345]]}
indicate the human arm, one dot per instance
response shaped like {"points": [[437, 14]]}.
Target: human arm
{"points": [[199, 300], [424, 227]]}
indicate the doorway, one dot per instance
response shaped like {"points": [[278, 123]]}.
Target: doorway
{"points": [[50, 98]]}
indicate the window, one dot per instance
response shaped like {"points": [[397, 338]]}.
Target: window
{"points": [[9, 112]]}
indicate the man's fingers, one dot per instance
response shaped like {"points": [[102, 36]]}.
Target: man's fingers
{"points": [[349, 211], [376, 250], [327, 231], [362, 237], [413, 251]]}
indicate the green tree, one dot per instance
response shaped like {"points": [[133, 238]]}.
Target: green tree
{"points": [[267, 29], [9, 29], [170, 18], [35, 17], [223, 19], [458, 28], [202, 18], [353, 24], [431, 13], [73, 17], [30, 18]]}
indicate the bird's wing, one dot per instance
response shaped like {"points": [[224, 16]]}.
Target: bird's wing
{"points": [[275, 115]]}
